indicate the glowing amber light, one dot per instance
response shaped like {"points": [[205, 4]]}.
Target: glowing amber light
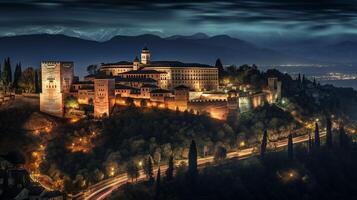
{"points": [[242, 144]]}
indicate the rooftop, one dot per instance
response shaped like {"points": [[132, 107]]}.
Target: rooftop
{"points": [[160, 91], [149, 86], [142, 80], [123, 87], [83, 82], [157, 64], [123, 63], [150, 71], [182, 87]]}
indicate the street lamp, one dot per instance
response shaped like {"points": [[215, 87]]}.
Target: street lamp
{"points": [[242, 144]]}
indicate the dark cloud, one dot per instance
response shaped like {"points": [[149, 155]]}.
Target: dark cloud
{"points": [[177, 17]]}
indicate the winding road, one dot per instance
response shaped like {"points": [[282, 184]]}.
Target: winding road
{"points": [[104, 188]]}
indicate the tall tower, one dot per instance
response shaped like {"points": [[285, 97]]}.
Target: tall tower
{"points": [[182, 95], [145, 56], [275, 88], [136, 63], [57, 78], [104, 96]]}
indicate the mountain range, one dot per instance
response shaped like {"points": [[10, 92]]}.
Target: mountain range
{"points": [[30, 50]]}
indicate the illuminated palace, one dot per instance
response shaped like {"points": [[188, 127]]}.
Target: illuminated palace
{"points": [[145, 83], [168, 74]]}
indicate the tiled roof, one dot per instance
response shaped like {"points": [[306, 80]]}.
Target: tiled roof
{"points": [[83, 82], [180, 87], [160, 91], [150, 71], [175, 64], [123, 87], [149, 86], [117, 63], [157, 64], [142, 80]]}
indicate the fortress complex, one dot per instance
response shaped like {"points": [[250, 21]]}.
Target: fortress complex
{"points": [[146, 83]]}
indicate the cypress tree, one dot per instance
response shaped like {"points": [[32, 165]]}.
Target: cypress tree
{"points": [[158, 184], [219, 65], [170, 169], [192, 160], [148, 169], [328, 132], [4, 74], [17, 75], [317, 136], [310, 143], [264, 143], [290, 147], [9, 73], [342, 137], [37, 83]]}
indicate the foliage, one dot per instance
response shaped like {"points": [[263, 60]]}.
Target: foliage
{"points": [[170, 169], [92, 69], [264, 143], [327, 174], [148, 169], [27, 80], [220, 153], [6, 74], [192, 160], [290, 147], [71, 102], [17, 76], [132, 171], [317, 136], [328, 132]]}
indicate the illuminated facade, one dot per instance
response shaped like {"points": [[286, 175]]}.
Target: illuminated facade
{"points": [[57, 78], [104, 96], [198, 77]]}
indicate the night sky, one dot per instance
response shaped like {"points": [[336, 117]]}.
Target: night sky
{"points": [[101, 20]]}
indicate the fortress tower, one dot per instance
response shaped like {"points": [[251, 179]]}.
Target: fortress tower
{"points": [[104, 96], [145, 56], [57, 78], [275, 88]]}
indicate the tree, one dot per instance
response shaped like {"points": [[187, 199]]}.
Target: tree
{"points": [[6, 75], [220, 153], [219, 65], [17, 76], [37, 81], [343, 137], [170, 169], [92, 69], [158, 184], [264, 143], [317, 136], [148, 169], [192, 160], [290, 147], [132, 171], [27, 80], [310, 142], [328, 132]]}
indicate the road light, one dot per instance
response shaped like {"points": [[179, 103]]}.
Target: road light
{"points": [[140, 163], [242, 144], [317, 120]]}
